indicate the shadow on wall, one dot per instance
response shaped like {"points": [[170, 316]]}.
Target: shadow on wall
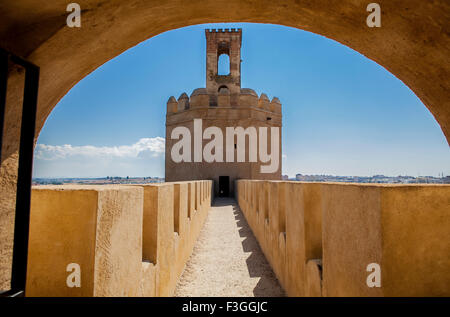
{"points": [[268, 285]]}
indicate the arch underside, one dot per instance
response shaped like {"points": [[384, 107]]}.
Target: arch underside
{"points": [[413, 42]]}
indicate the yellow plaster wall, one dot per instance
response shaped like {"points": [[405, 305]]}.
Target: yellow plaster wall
{"points": [[122, 237], [333, 231]]}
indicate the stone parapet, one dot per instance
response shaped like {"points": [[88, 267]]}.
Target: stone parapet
{"points": [[128, 240], [320, 237]]}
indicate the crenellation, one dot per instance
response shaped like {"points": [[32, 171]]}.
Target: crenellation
{"points": [[172, 105], [248, 98], [275, 105], [224, 30], [264, 102], [276, 100], [199, 98], [183, 102]]}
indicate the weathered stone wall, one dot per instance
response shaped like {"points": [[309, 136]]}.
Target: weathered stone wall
{"points": [[124, 237], [320, 237]]}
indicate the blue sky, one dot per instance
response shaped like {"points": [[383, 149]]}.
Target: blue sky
{"points": [[343, 114]]}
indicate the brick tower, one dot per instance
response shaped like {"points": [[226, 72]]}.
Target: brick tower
{"points": [[220, 42], [222, 104]]}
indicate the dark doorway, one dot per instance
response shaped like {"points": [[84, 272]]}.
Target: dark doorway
{"points": [[224, 186]]}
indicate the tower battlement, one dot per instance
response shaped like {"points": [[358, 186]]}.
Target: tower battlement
{"points": [[247, 99], [230, 30]]}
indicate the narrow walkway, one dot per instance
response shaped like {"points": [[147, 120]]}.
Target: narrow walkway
{"points": [[227, 260]]}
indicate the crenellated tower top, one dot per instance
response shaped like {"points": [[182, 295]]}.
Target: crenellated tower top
{"points": [[224, 91]]}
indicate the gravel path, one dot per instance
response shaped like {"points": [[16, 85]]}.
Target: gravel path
{"points": [[227, 260]]}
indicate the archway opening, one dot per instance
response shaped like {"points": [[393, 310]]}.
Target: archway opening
{"points": [[297, 91], [223, 90]]}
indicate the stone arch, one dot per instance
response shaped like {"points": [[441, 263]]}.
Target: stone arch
{"points": [[223, 89], [408, 45]]}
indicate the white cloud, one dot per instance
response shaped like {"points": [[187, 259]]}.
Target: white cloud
{"points": [[154, 146]]}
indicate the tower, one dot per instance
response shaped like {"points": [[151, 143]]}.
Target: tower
{"points": [[221, 106], [219, 42]]}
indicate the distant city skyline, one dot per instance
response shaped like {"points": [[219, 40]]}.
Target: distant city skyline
{"points": [[401, 179], [343, 114]]}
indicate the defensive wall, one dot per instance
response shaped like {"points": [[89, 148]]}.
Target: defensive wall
{"points": [[200, 99], [319, 238], [248, 110], [129, 240]]}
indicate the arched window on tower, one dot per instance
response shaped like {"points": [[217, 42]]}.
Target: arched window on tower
{"points": [[223, 90], [223, 65]]}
